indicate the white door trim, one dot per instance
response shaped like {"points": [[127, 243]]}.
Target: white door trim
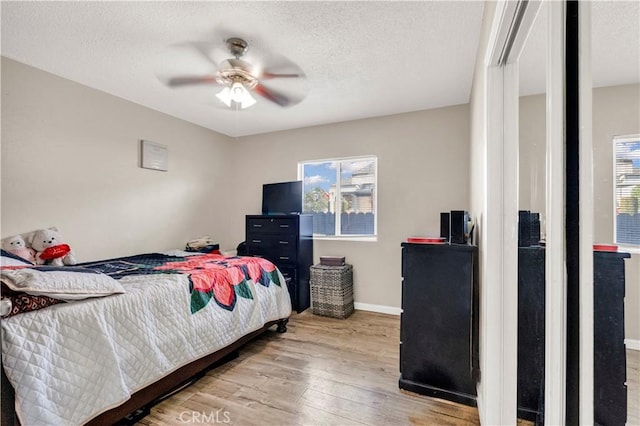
{"points": [[586, 215], [555, 268], [499, 333]]}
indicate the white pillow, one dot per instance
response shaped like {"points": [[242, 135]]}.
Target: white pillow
{"points": [[64, 283], [8, 259]]}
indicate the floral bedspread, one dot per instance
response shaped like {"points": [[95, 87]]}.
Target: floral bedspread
{"points": [[72, 361], [211, 276]]}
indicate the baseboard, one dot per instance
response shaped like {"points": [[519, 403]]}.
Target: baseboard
{"points": [[480, 400], [630, 343], [377, 308]]}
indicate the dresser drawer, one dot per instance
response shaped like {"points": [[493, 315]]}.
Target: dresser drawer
{"points": [[277, 257], [273, 242], [289, 272], [277, 249], [273, 225], [291, 275]]}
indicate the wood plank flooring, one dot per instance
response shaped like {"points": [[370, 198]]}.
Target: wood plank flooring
{"points": [[325, 371], [322, 371]]}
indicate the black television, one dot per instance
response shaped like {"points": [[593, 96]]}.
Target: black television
{"points": [[282, 198]]}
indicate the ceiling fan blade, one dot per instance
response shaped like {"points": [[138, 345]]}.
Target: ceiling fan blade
{"points": [[205, 50], [189, 80], [275, 97], [268, 75]]}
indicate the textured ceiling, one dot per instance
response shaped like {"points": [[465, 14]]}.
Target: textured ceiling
{"points": [[362, 59], [615, 47]]}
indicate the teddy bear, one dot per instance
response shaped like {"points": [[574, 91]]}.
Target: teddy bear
{"points": [[51, 249], [16, 245]]}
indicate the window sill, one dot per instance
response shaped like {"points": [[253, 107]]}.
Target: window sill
{"points": [[629, 249], [368, 238]]}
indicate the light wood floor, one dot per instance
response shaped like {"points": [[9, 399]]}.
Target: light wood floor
{"points": [[325, 371], [322, 371]]}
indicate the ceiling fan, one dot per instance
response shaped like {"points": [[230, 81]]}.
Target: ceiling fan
{"points": [[239, 78]]}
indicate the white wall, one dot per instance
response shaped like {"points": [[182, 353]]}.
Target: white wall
{"points": [[70, 158], [423, 160]]}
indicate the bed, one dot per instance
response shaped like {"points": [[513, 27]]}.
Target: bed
{"points": [[148, 324]]}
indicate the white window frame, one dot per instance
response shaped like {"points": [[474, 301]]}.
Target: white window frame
{"points": [[631, 248], [347, 237]]}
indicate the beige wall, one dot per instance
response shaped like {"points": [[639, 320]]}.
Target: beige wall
{"points": [[423, 162], [532, 152], [70, 157], [616, 111]]}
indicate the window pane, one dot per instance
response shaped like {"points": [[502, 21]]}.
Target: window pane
{"points": [[341, 195], [627, 191], [357, 191], [318, 179]]}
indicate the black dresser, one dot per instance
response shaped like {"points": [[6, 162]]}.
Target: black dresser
{"points": [[287, 241], [610, 392], [438, 328]]}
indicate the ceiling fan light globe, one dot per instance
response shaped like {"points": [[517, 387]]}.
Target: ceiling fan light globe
{"points": [[248, 101], [241, 95], [225, 96], [237, 92]]}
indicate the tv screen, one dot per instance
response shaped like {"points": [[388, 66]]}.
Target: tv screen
{"points": [[282, 198]]}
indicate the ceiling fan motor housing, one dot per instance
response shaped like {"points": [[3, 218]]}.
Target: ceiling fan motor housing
{"points": [[236, 71], [237, 46]]}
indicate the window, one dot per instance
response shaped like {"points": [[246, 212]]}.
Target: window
{"points": [[627, 189], [341, 195]]}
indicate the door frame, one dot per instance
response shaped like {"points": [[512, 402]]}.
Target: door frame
{"points": [[586, 212], [511, 26]]}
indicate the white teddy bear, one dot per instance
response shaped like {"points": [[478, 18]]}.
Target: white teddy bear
{"points": [[16, 245], [51, 249]]}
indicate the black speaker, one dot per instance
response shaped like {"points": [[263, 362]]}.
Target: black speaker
{"points": [[458, 226], [534, 228], [524, 228], [444, 226]]}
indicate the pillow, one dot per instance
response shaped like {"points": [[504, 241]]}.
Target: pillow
{"points": [[17, 302], [64, 283], [10, 259]]}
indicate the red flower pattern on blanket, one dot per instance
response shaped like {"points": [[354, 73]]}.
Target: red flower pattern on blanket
{"points": [[222, 278]]}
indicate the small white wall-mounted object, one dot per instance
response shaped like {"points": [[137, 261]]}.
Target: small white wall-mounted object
{"points": [[154, 156]]}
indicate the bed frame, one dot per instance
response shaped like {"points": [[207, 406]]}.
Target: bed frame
{"points": [[142, 400]]}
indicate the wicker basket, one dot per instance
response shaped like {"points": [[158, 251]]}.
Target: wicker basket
{"points": [[332, 290]]}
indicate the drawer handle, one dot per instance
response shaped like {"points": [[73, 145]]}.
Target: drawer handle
{"points": [[257, 226], [284, 257], [256, 241], [284, 226], [284, 242]]}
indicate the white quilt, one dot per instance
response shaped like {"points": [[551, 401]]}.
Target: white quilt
{"points": [[72, 361]]}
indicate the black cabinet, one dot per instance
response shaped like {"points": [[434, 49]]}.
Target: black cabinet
{"points": [[610, 358], [610, 392], [531, 294], [287, 241], [438, 331]]}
